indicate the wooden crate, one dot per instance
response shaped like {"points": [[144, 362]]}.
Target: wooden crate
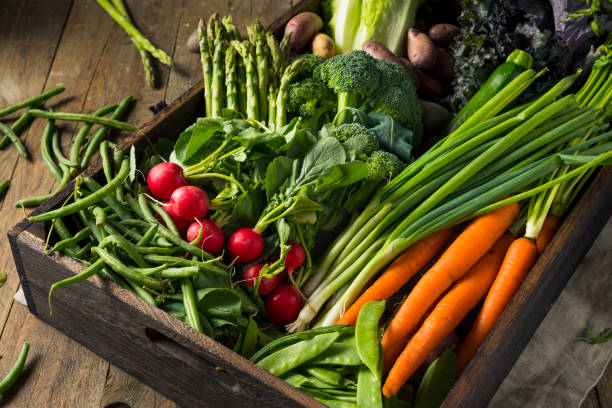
{"points": [[195, 371]]}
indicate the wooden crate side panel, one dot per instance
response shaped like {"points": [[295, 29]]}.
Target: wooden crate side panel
{"points": [[541, 288], [145, 341]]}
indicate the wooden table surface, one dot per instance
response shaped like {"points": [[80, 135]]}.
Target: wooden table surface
{"points": [[73, 43]]}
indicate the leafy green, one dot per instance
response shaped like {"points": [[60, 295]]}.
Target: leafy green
{"points": [[437, 381], [591, 338]]}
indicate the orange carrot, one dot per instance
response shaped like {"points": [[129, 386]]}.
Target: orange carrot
{"points": [[447, 315], [519, 259], [400, 272], [548, 231], [391, 355], [477, 238]]}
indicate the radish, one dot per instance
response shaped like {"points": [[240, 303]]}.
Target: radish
{"points": [[295, 256], [266, 285], [246, 245], [181, 223], [164, 178], [189, 202], [283, 304], [212, 238]]}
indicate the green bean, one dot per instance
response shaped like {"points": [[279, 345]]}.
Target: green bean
{"points": [[148, 236], [37, 100], [135, 207], [33, 201], [90, 271], [117, 157], [66, 176], [83, 117], [134, 223], [368, 388], [2, 277], [109, 200], [89, 220], [366, 335], [143, 293], [190, 303], [15, 372], [158, 250], [99, 215], [61, 229], [84, 251], [192, 249], [57, 150], [175, 273], [124, 230], [106, 162], [174, 260], [24, 120], [167, 219], [98, 136], [126, 271], [296, 337], [45, 145], [88, 200], [293, 356], [8, 132], [75, 149], [125, 246], [4, 185], [67, 243]]}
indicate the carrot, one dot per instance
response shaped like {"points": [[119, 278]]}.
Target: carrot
{"points": [[477, 238], [548, 231], [447, 315], [391, 355], [519, 259], [400, 272]]}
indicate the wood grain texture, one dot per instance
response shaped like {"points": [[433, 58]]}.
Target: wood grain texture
{"points": [[604, 388]]}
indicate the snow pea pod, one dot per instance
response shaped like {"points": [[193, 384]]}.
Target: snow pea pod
{"points": [[330, 377], [293, 356], [368, 388], [338, 354], [15, 372], [87, 200], [367, 336]]}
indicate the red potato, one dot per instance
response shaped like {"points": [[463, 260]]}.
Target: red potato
{"points": [[323, 45], [421, 50], [303, 27], [435, 118], [379, 50], [431, 87], [444, 68], [442, 34]]}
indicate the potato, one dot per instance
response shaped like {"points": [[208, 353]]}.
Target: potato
{"points": [[442, 34], [421, 50], [435, 118], [444, 66], [431, 87], [380, 51], [192, 42], [323, 45], [303, 27]]}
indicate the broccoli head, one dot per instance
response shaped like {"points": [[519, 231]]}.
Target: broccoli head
{"points": [[358, 141], [312, 61], [313, 101], [383, 165], [354, 77]]}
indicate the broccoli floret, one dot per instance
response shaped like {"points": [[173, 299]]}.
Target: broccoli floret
{"points": [[357, 138], [354, 77], [383, 165], [313, 61], [313, 101]]}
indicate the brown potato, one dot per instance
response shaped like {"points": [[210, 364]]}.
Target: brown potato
{"points": [[323, 45], [303, 27], [435, 118], [442, 34], [444, 66], [431, 87], [380, 51], [421, 50]]}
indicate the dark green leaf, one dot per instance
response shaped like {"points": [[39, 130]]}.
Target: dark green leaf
{"points": [[278, 172], [219, 302], [303, 210], [248, 209], [437, 381], [392, 136], [324, 155], [249, 341], [342, 175]]}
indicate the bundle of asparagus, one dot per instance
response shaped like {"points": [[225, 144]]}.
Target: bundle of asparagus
{"points": [[251, 77]]}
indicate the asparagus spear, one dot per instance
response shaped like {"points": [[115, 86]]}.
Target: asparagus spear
{"points": [[251, 82], [283, 91], [206, 66], [133, 32], [232, 32], [230, 79], [218, 79], [272, 93], [146, 57], [241, 83], [261, 51]]}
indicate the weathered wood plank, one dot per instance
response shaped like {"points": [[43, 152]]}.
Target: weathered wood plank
{"points": [[122, 388], [591, 400], [604, 388]]}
